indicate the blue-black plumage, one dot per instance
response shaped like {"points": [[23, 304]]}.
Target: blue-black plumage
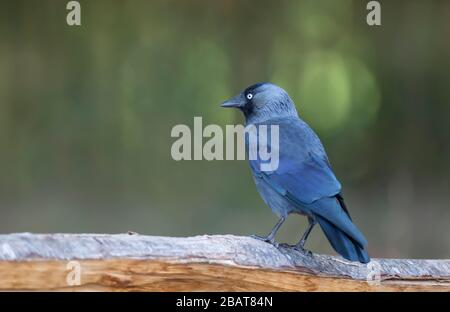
{"points": [[303, 182]]}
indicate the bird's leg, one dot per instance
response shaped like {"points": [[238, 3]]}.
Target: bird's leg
{"points": [[301, 244], [270, 238]]}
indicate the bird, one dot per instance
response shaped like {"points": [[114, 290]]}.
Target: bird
{"points": [[303, 182]]}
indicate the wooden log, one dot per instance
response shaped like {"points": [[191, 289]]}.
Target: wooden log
{"points": [[122, 262]]}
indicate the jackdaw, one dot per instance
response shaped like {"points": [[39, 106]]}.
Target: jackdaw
{"points": [[303, 182]]}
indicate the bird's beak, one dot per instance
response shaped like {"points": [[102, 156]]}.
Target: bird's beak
{"points": [[237, 101]]}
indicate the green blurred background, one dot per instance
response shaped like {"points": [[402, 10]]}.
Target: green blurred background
{"points": [[86, 114]]}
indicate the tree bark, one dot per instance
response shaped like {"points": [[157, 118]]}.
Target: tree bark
{"points": [[125, 262]]}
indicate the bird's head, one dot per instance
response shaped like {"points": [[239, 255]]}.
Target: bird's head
{"points": [[262, 101]]}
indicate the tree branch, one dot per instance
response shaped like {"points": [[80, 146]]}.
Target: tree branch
{"points": [[217, 262]]}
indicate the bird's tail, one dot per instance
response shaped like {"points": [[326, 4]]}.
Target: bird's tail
{"points": [[345, 245]]}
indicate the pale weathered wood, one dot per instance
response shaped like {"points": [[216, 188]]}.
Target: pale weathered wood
{"points": [[218, 262]]}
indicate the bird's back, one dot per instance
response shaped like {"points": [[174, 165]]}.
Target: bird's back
{"points": [[297, 140]]}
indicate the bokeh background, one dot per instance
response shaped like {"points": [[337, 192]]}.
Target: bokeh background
{"points": [[86, 114]]}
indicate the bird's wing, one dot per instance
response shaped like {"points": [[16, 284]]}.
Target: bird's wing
{"points": [[303, 172], [306, 181]]}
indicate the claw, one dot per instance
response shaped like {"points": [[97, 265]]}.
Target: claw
{"points": [[302, 250], [265, 239], [298, 248]]}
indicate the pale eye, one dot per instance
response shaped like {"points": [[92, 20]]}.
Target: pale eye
{"points": [[249, 96]]}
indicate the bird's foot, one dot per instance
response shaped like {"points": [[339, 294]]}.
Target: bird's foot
{"points": [[302, 250], [299, 248], [267, 239]]}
